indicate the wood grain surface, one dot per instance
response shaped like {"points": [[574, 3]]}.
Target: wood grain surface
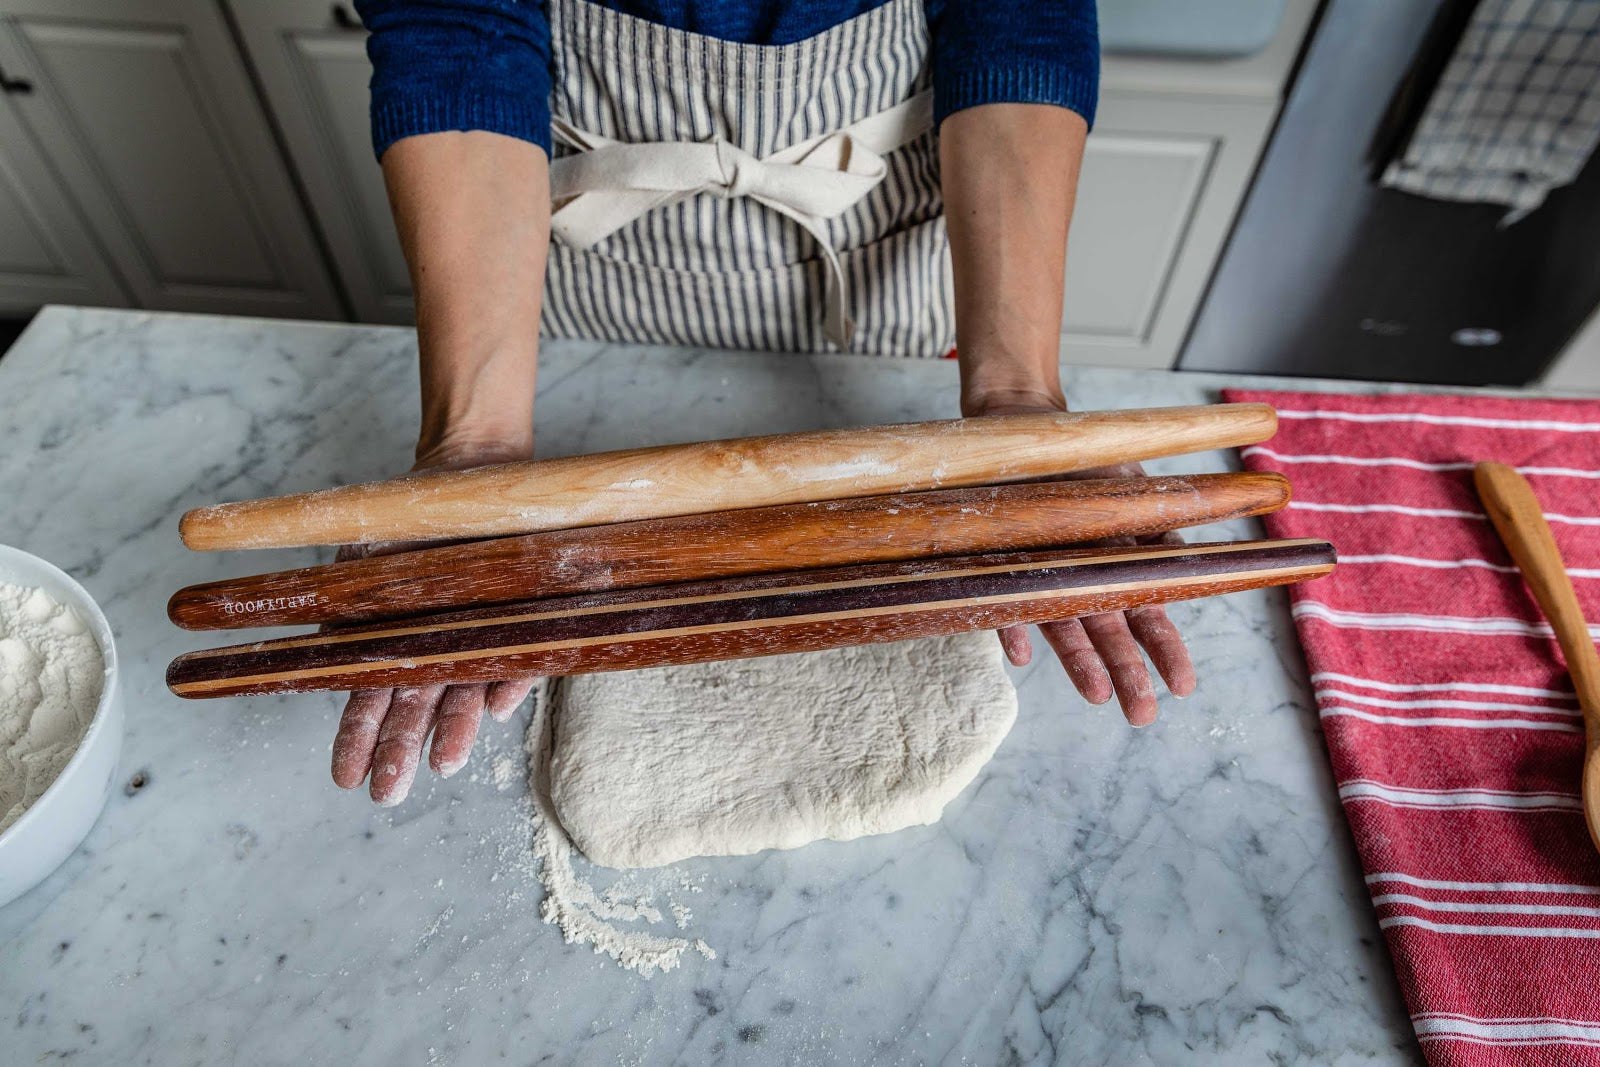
{"points": [[1519, 520], [726, 544], [690, 479], [741, 617]]}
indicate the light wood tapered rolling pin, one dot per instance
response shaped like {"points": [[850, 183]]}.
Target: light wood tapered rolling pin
{"points": [[1517, 516], [742, 617], [689, 479], [726, 544]]}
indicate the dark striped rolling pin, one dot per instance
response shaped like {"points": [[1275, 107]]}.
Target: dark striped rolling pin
{"points": [[742, 617], [725, 544]]}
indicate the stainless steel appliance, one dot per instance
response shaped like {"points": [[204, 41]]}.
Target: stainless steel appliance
{"points": [[1328, 274]]}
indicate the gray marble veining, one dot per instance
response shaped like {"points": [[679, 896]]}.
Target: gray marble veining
{"points": [[1186, 893]]}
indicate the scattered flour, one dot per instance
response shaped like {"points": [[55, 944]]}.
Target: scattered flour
{"points": [[866, 466], [570, 902], [51, 675], [439, 923], [507, 771]]}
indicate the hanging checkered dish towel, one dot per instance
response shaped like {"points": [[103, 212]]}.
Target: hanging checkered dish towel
{"points": [[1450, 721], [1516, 112]]}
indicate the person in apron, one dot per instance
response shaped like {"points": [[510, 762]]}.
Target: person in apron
{"points": [[883, 177]]}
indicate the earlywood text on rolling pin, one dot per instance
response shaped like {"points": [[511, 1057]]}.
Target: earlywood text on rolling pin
{"points": [[271, 603]]}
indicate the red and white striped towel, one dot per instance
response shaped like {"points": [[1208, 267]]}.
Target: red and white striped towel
{"points": [[1449, 717]]}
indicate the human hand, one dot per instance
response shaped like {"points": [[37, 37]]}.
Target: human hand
{"points": [[382, 731], [1101, 652]]}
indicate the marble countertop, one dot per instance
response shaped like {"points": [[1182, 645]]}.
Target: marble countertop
{"points": [[1187, 893]]}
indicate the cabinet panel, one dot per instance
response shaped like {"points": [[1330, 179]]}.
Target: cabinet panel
{"points": [[313, 66], [203, 238], [24, 246], [145, 110], [46, 254], [337, 71], [1162, 179], [1136, 196]]}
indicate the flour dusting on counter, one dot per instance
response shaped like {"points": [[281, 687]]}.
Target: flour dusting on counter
{"points": [[618, 920], [51, 674]]}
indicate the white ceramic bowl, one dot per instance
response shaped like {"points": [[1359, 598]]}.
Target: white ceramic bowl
{"points": [[46, 833]]}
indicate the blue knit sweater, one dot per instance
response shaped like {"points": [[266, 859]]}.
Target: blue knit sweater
{"points": [[485, 64]]}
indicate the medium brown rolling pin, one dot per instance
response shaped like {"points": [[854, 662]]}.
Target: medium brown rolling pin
{"points": [[1516, 514], [726, 544], [734, 618], [691, 479]]}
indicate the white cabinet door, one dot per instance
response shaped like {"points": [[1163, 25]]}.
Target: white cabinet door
{"points": [[46, 254], [145, 110], [1136, 196], [312, 61], [1162, 179]]}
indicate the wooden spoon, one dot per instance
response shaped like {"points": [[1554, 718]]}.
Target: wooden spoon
{"points": [[1515, 512]]}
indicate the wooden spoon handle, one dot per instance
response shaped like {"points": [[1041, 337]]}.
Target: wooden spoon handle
{"points": [[691, 479], [1517, 516], [742, 617], [1515, 512], [726, 544]]}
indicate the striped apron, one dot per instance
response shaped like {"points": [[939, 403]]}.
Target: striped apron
{"points": [[714, 194]]}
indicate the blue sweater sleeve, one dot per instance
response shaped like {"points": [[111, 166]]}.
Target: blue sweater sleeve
{"points": [[1019, 51], [458, 65]]}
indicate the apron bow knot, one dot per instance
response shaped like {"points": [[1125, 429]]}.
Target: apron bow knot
{"points": [[607, 184], [741, 172]]}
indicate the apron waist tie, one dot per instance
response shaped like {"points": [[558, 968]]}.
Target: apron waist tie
{"points": [[607, 184]]}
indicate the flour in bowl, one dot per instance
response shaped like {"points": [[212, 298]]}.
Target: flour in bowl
{"points": [[51, 674]]}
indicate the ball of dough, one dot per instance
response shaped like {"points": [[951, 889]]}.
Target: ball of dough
{"points": [[724, 759]]}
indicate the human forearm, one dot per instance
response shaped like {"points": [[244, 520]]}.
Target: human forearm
{"points": [[1010, 176], [473, 213]]}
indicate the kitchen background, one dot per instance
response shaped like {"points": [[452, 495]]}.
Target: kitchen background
{"points": [[213, 156], [1361, 841]]}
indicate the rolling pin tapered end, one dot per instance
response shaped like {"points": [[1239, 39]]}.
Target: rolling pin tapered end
{"points": [[175, 609], [1268, 416], [1275, 490], [197, 529]]}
